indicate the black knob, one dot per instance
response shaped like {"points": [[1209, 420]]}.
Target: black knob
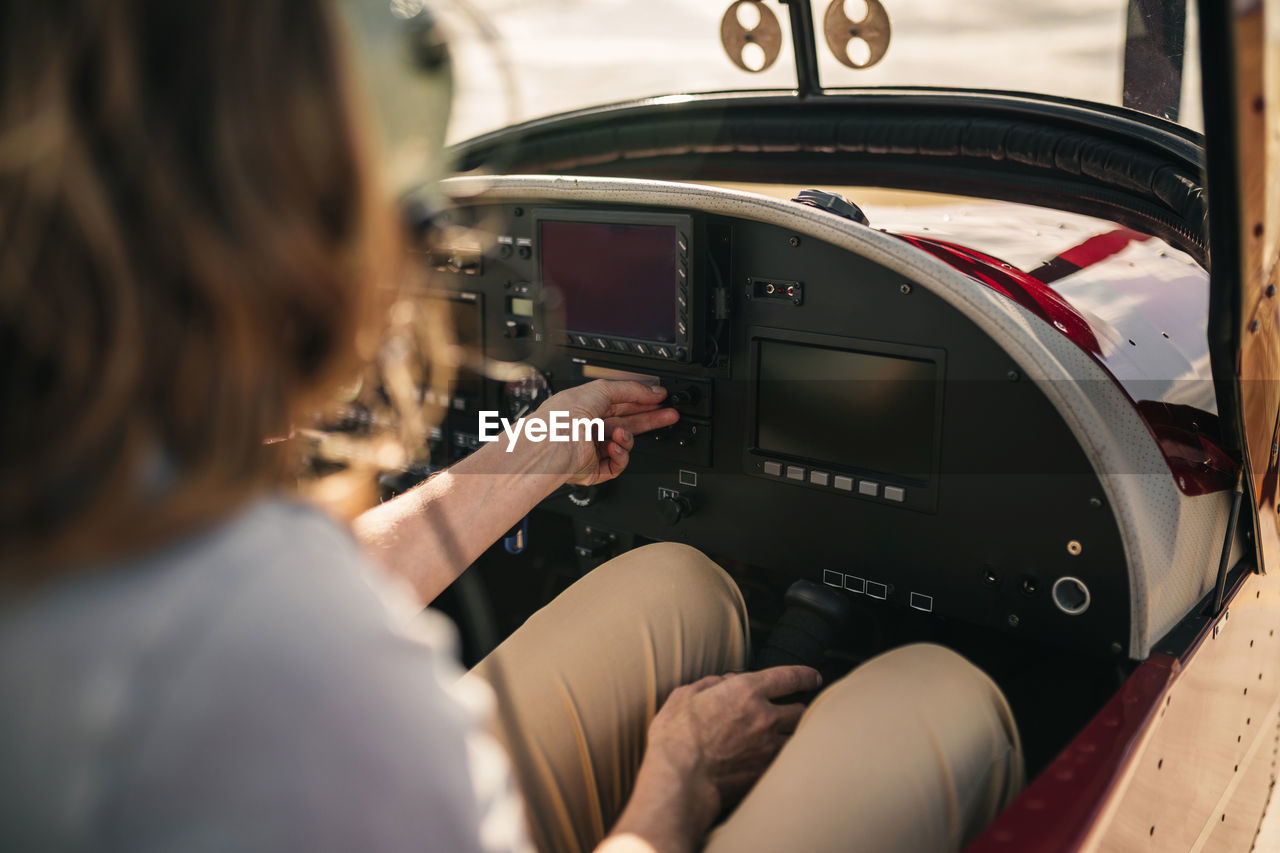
{"points": [[820, 599], [815, 617], [674, 508], [583, 495], [683, 397], [832, 203]]}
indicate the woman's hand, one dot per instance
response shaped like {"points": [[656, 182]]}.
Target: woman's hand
{"points": [[627, 409], [707, 746]]}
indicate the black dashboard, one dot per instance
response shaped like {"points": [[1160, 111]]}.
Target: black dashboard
{"points": [[839, 422]]}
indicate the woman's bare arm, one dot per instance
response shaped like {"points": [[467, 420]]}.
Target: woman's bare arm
{"points": [[429, 535]]}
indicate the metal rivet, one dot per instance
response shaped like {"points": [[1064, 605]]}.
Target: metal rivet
{"points": [[1116, 648], [1014, 620], [519, 211], [1096, 503], [904, 289], [1013, 376], [1074, 548], [794, 241]]}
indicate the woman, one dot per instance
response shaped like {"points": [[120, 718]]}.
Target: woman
{"points": [[194, 237]]}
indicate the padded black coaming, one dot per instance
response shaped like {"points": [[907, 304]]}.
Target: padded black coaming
{"points": [[1108, 163]]}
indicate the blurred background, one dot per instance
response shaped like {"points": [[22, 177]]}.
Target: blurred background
{"points": [[520, 59]]}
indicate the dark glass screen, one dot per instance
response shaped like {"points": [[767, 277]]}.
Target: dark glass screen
{"points": [[468, 327], [847, 409], [617, 280]]}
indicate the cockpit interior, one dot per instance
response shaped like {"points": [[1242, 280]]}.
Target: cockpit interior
{"points": [[870, 398]]}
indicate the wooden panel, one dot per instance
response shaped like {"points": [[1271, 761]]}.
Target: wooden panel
{"points": [[1238, 823], [1258, 124], [1208, 751]]}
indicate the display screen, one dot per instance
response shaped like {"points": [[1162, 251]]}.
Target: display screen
{"points": [[847, 409], [615, 280]]}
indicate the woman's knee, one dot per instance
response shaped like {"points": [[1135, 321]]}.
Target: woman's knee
{"points": [[678, 579], [667, 567], [929, 688], [924, 678]]}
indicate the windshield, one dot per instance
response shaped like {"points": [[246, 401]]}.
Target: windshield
{"points": [[522, 59]]}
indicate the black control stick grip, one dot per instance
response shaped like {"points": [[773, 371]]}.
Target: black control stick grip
{"points": [[814, 618]]}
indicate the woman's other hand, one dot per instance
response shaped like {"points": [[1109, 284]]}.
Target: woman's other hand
{"points": [[707, 746]]}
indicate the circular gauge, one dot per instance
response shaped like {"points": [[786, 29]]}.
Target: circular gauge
{"points": [[522, 396]]}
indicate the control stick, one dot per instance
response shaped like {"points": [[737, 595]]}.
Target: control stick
{"points": [[815, 616]]}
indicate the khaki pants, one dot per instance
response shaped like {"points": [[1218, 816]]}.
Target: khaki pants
{"points": [[914, 750]]}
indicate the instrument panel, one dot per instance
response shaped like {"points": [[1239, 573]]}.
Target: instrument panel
{"points": [[838, 421]]}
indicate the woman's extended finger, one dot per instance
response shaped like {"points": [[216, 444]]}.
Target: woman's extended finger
{"points": [[618, 410], [784, 680], [619, 391], [646, 421]]}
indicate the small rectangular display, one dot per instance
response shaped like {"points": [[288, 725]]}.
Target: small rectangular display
{"points": [[847, 409], [614, 280]]}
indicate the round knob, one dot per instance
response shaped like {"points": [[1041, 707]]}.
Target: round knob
{"points": [[684, 396], [583, 495], [674, 508]]}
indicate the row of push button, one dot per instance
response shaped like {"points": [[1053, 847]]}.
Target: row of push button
{"points": [[873, 589], [628, 347], [842, 482]]}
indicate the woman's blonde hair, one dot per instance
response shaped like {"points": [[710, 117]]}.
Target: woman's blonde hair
{"points": [[191, 232]]}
